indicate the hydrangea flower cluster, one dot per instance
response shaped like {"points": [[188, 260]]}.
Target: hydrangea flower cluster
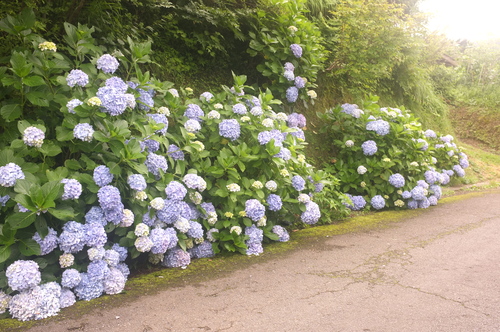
{"points": [[33, 136], [9, 174], [84, 132], [77, 77], [229, 128], [107, 63]]}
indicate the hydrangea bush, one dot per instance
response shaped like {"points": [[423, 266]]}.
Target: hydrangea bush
{"points": [[101, 165], [386, 160]]}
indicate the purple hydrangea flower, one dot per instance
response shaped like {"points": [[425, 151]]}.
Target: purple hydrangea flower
{"points": [[36, 303], [299, 82], [88, 288], [240, 109], [433, 200], [397, 180], [72, 189], [430, 176], [292, 93], [95, 235], [358, 202], [192, 126], [9, 174], [95, 215], [145, 98], [48, 243], [137, 182], [284, 154], [195, 230], [296, 120], [102, 176], [194, 181], [72, 104], [155, 163], [116, 83], [298, 183], [369, 148], [424, 203], [175, 191], [77, 77], [176, 257], [424, 143], [107, 63], [429, 133], [296, 50], [459, 171], [418, 193], [72, 238], [289, 75], [203, 250], [299, 133], [84, 132], [289, 66], [114, 101], [97, 270], [281, 232], [33, 136], [122, 251], [206, 96], [274, 202], [265, 137], [23, 275], [381, 127], [67, 298], [229, 128], [175, 152], [254, 209], [406, 194], [256, 111], [114, 281], [312, 213], [111, 204], [70, 278], [194, 112], [377, 202]]}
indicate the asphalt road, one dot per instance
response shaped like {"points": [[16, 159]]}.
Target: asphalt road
{"points": [[438, 271]]}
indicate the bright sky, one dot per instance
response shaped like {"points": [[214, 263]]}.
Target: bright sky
{"points": [[464, 19]]}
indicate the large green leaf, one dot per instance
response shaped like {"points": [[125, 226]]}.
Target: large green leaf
{"points": [[29, 247], [11, 112], [21, 219], [33, 81], [5, 252]]}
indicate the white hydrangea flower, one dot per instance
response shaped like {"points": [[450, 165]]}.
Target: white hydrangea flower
{"points": [[141, 230], [304, 198], [66, 260], [158, 203], [164, 110], [349, 143], [268, 123], [361, 169], [128, 218], [257, 185], [213, 114], [233, 187], [235, 229]]}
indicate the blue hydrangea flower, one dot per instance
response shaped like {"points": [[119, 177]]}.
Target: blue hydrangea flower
{"points": [[163, 239], [112, 257], [194, 112], [137, 182], [292, 93], [436, 191], [240, 109], [97, 270], [170, 212], [358, 202], [107, 63], [381, 127], [423, 184], [160, 118], [192, 126], [206, 96], [4, 200], [95, 215], [122, 251], [72, 104], [274, 202], [72, 238], [377, 202], [195, 230], [299, 133], [289, 66], [229, 128], [284, 154], [33, 136], [70, 278], [67, 298], [289, 75], [256, 111], [95, 235], [48, 243], [175, 152], [23, 275], [176, 257], [155, 163], [369, 148], [312, 213], [72, 189], [203, 250], [397, 180], [254, 242], [406, 194], [459, 171], [114, 101], [430, 176], [77, 77], [299, 82], [281, 232], [102, 176], [318, 187], [424, 143], [418, 193], [84, 132], [433, 200], [254, 248], [298, 183], [116, 83], [114, 282], [296, 50], [111, 204], [424, 203], [429, 133], [296, 120], [145, 98], [265, 137], [193, 181], [88, 288], [464, 162], [254, 209], [175, 191], [36, 303]]}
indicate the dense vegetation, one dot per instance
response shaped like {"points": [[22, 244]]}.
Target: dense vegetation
{"points": [[178, 131]]}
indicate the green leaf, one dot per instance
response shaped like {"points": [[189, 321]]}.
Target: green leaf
{"points": [[50, 149], [5, 252], [38, 98], [33, 80], [21, 219], [29, 247], [19, 65], [25, 201], [63, 134], [65, 214], [51, 190], [72, 164], [100, 136], [11, 112]]}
